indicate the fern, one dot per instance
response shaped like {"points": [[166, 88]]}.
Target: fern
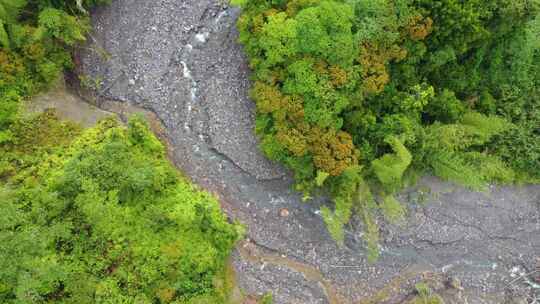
{"points": [[367, 208], [334, 225], [4, 38], [343, 189], [484, 127], [448, 151], [389, 168], [371, 233], [471, 169], [490, 167], [474, 129], [392, 209], [453, 166]]}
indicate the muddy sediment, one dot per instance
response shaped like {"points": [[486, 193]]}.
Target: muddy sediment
{"points": [[179, 60]]}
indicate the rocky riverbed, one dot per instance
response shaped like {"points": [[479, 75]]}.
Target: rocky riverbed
{"points": [[180, 60]]}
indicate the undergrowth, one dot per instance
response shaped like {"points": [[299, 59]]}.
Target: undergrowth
{"points": [[101, 216], [357, 97]]}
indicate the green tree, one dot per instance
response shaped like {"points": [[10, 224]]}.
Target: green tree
{"points": [[396, 87], [102, 217]]}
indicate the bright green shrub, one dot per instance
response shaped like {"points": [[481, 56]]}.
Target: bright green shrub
{"points": [[397, 88], [102, 217]]}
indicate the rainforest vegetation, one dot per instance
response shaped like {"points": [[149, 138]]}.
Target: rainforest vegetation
{"points": [[361, 97], [358, 98], [101, 216], [96, 215]]}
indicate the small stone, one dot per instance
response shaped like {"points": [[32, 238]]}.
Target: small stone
{"points": [[283, 212], [202, 37], [250, 300]]}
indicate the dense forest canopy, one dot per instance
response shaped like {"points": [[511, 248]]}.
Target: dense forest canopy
{"points": [[359, 97], [97, 215], [101, 216]]}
